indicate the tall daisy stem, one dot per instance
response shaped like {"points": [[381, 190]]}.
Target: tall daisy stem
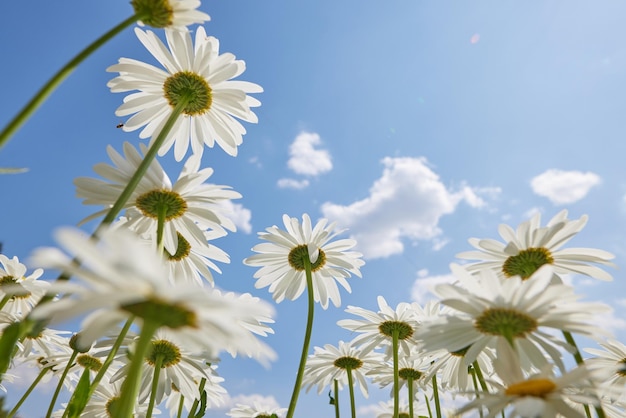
{"points": [[336, 399], [436, 396], [69, 365], [307, 338], [196, 402], [351, 389], [33, 385], [58, 78], [396, 379], [430, 411], [155, 385], [409, 385], [130, 387], [479, 375], [580, 361]]}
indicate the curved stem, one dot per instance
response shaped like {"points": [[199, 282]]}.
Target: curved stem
{"points": [[130, 386], [69, 365], [336, 389], [196, 402], [16, 408], [351, 389], [58, 78], [307, 338], [155, 385], [396, 380]]}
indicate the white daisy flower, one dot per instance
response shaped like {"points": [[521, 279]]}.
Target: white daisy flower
{"points": [[179, 368], [377, 328], [121, 278], [490, 309], [175, 14], [282, 260], [215, 394], [611, 361], [332, 363], [190, 204], [195, 72], [385, 409], [256, 410], [539, 395], [532, 246], [410, 368], [24, 291]]}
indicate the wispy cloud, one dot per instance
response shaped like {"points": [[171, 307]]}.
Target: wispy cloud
{"points": [[286, 183], [406, 202], [564, 187], [421, 290], [239, 215]]}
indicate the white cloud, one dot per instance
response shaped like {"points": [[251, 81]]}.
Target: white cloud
{"points": [[238, 214], [305, 159], [564, 187], [420, 291], [406, 202], [285, 183], [230, 402]]}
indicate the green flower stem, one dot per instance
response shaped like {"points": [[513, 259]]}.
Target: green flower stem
{"points": [[436, 396], [479, 375], [4, 300], [160, 226], [430, 411], [145, 164], [409, 385], [58, 78], [307, 338], [69, 365], [130, 387], [181, 404], [351, 389], [33, 385], [196, 402], [155, 384], [579, 361], [476, 388], [336, 389], [396, 379]]}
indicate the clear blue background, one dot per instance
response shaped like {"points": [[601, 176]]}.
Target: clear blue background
{"points": [[491, 94]]}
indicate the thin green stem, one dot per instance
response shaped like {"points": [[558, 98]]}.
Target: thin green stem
{"points": [[396, 379], [409, 385], [351, 389], [155, 385], [181, 404], [307, 338], [580, 361], [4, 300], [33, 385], [130, 387], [336, 389], [58, 78], [53, 401], [476, 388], [196, 402], [479, 375], [430, 411], [436, 396], [160, 227]]}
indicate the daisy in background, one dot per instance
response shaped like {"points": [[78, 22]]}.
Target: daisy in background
{"points": [[488, 310], [610, 364], [283, 267], [19, 292], [189, 206], [195, 72], [532, 246], [256, 410], [538, 395], [174, 14], [385, 409]]}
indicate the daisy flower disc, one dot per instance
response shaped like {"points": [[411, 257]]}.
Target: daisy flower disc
{"points": [[282, 264], [174, 14], [195, 73], [531, 246]]}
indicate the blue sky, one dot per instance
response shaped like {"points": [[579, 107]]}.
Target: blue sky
{"points": [[414, 124]]}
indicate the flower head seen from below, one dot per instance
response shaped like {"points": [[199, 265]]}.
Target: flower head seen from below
{"points": [[190, 205], [20, 291], [256, 410], [611, 361], [175, 14], [197, 75], [332, 363], [488, 310], [377, 328], [533, 246], [120, 278], [283, 258]]}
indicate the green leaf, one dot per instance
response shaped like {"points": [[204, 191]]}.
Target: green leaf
{"points": [[8, 342], [80, 396], [203, 405]]}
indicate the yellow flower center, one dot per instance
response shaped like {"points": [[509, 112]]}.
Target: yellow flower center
{"points": [[537, 388], [526, 262], [155, 13], [166, 202], [192, 88]]}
